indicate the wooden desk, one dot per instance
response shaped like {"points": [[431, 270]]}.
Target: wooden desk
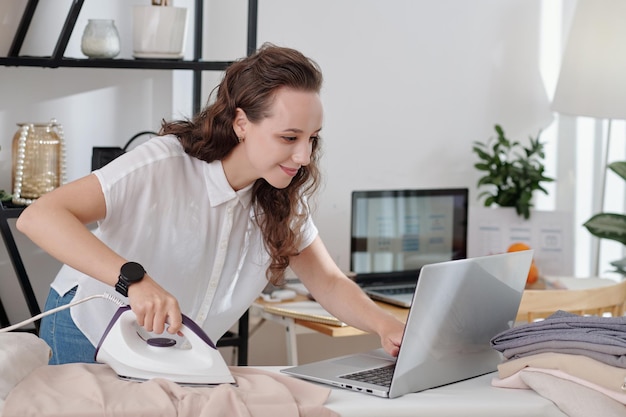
{"points": [[329, 330], [401, 313]]}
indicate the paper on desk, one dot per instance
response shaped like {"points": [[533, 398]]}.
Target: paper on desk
{"points": [[305, 310]]}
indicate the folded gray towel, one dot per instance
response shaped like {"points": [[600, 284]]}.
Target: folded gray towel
{"points": [[552, 345], [618, 361], [597, 333]]}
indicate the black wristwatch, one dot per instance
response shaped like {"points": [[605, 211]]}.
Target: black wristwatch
{"points": [[130, 273]]}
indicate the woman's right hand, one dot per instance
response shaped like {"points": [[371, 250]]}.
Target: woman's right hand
{"points": [[154, 306]]}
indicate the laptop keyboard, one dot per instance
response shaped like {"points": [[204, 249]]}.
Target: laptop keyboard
{"points": [[377, 376], [396, 291]]}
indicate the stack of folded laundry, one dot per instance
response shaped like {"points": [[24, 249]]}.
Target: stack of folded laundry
{"points": [[578, 362]]}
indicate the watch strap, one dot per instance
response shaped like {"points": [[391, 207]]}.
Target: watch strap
{"points": [[122, 287]]}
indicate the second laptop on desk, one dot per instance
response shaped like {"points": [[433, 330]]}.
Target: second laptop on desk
{"points": [[394, 233]]}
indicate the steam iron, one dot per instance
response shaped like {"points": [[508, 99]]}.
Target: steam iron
{"points": [[135, 354]]}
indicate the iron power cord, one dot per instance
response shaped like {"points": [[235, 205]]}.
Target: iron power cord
{"points": [[106, 296]]}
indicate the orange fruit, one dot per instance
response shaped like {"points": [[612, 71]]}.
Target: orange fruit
{"points": [[518, 246], [533, 273]]}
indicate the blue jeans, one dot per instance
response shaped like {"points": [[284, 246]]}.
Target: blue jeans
{"points": [[67, 342]]}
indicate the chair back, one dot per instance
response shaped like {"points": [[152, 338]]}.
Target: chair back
{"points": [[538, 304]]}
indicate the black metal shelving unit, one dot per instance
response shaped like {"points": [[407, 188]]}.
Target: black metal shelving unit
{"points": [[57, 60], [10, 211]]}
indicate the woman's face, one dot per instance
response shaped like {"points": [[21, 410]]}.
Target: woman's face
{"points": [[279, 144]]}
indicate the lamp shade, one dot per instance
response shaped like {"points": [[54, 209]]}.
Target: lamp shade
{"points": [[592, 81]]}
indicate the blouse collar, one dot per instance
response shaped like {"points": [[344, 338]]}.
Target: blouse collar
{"points": [[220, 191]]}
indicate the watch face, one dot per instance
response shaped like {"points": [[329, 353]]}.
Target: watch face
{"points": [[132, 271]]}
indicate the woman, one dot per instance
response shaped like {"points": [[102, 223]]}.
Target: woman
{"points": [[201, 217]]}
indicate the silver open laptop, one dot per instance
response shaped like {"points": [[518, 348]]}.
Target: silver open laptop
{"points": [[458, 306]]}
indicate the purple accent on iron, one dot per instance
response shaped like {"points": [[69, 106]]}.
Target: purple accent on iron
{"points": [[198, 330], [116, 316]]}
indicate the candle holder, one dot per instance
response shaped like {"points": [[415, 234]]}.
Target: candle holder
{"points": [[38, 160]]}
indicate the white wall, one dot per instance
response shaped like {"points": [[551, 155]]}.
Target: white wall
{"points": [[409, 84]]}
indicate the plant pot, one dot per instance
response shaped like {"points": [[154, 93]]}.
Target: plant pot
{"points": [[159, 32]]}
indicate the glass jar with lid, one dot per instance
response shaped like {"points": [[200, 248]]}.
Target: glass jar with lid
{"points": [[38, 160], [100, 39]]}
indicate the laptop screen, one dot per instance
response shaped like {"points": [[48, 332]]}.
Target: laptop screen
{"points": [[396, 232]]}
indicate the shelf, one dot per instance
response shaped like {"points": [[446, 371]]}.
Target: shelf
{"points": [[58, 60], [165, 64], [10, 210]]}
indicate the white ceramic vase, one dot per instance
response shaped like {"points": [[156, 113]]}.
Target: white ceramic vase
{"points": [[159, 32]]}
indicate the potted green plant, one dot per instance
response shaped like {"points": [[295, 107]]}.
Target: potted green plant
{"points": [[512, 171], [611, 225]]}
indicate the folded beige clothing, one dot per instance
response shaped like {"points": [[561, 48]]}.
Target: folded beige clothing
{"points": [[516, 381], [571, 398], [607, 376], [95, 390]]}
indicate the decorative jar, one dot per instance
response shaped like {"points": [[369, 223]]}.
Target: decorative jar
{"points": [[38, 160], [100, 39]]}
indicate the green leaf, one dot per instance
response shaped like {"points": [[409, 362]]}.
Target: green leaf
{"points": [[524, 198], [482, 154], [608, 226], [543, 190], [619, 264], [619, 168], [5, 197], [484, 181], [523, 210]]}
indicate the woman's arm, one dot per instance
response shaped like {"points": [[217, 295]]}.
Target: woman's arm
{"points": [[343, 298], [57, 221]]}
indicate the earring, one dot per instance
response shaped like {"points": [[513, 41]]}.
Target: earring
{"points": [[241, 139]]}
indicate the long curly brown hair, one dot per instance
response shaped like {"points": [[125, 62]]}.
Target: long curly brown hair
{"points": [[250, 84]]}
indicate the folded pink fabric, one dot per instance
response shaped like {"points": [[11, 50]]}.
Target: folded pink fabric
{"points": [[516, 381], [583, 367], [95, 390], [571, 398]]}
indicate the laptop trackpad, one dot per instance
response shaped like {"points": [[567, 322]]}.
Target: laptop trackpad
{"points": [[365, 360]]}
